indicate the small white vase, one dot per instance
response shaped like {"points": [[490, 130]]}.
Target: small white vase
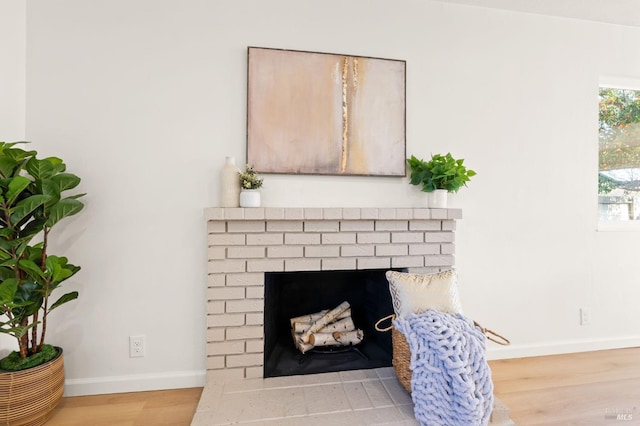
{"points": [[250, 198], [438, 199]]}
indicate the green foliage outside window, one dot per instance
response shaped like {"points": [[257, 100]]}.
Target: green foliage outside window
{"points": [[619, 129], [619, 154]]}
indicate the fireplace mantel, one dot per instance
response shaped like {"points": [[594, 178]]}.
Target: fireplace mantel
{"points": [[244, 243], [329, 213]]}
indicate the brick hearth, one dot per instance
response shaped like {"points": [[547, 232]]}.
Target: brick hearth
{"points": [[246, 243]]}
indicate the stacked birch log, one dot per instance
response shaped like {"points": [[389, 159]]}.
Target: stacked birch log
{"points": [[325, 328]]}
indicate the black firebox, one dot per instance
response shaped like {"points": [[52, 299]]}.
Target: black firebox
{"points": [[291, 294]]}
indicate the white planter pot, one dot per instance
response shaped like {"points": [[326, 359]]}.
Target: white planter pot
{"points": [[438, 199], [250, 198]]}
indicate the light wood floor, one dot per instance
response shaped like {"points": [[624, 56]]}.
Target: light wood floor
{"points": [[573, 389], [167, 407]]}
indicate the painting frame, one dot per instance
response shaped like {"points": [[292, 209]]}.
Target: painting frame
{"points": [[320, 113]]}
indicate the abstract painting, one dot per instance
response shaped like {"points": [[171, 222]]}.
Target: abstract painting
{"points": [[328, 114]]}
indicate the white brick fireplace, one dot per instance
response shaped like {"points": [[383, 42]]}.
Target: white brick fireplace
{"points": [[243, 244]]}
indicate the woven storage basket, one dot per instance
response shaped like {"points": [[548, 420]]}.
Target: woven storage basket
{"points": [[401, 358], [402, 353], [28, 397]]}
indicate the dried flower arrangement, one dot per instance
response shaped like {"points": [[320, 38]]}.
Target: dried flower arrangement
{"points": [[249, 178]]}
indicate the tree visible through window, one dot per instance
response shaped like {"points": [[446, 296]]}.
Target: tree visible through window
{"points": [[619, 159]]}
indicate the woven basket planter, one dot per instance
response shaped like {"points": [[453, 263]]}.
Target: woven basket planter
{"points": [[28, 397]]}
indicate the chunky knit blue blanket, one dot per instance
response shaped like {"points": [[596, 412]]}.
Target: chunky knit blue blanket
{"points": [[451, 380]]}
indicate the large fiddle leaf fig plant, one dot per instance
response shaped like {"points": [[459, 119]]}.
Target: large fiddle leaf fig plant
{"points": [[33, 200]]}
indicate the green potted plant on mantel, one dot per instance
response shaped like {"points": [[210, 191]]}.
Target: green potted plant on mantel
{"points": [[439, 176], [250, 183], [32, 203]]}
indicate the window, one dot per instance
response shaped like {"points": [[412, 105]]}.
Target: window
{"points": [[619, 155]]}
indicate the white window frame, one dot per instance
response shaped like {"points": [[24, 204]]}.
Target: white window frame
{"points": [[626, 83]]}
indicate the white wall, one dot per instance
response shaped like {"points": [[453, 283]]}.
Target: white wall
{"points": [[623, 12], [145, 98], [12, 69]]}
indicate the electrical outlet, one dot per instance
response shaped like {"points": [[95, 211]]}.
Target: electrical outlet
{"points": [[136, 346], [585, 316]]}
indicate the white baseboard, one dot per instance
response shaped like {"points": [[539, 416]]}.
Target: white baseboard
{"points": [[495, 352], [134, 383], [191, 379]]}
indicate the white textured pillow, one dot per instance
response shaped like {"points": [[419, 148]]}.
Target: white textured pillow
{"points": [[416, 293]]}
